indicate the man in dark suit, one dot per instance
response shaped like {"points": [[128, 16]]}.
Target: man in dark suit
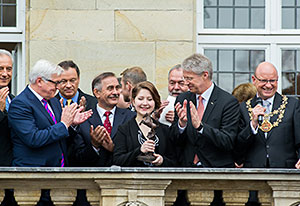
{"points": [[6, 68], [68, 87], [206, 120], [93, 145], [39, 126], [275, 140]]}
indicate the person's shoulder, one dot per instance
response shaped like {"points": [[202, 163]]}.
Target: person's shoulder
{"points": [[184, 95], [88, 96]]}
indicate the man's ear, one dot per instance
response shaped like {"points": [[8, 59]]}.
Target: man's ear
{"points": [[96, 93], [129, 86]]}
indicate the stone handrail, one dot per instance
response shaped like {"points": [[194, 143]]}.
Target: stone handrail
{"points": [[118, 186]]}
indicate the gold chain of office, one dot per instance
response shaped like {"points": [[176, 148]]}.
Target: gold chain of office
{"points": [[266, 125]]}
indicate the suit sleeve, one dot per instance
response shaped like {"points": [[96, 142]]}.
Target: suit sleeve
{"points": [[3, 115], [296, 119], [31, 128], [122, 156]]}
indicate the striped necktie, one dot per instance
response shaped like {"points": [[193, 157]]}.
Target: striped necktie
{"points": [[62, 161]]}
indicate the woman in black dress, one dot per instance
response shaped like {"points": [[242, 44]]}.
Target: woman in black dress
{"points": [[132, 140]]}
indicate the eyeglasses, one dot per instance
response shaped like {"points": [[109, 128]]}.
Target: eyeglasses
{"points": [[265, 81], [65, 81], [188, 78], [53, 82]]}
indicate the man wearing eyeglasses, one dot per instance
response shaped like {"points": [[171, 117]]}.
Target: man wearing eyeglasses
{"points": [[206, 120], [269, 134], [68, 87], [39, 125]]}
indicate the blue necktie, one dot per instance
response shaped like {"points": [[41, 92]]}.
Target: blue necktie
{"points": [[6, 104]]}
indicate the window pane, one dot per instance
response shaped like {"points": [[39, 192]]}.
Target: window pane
{"points": [[210, 2], [226, 81], [298, 18], [242, 60], [257, 2], [242, 18], [288, 60], [210, 18], [241, 78], [298, 60], [225, 2], [288, 18], [256, 57], [9, 16], [288, 84], [241, 3], [225, 18], [9, 1], [225, 60], [258, 18], [212, 55], [288, 2]]}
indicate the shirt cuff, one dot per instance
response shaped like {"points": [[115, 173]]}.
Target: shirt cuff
{"points": [[254, 131], [181, 129], [96, 150]]}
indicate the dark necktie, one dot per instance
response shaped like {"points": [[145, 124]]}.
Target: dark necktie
{"points": [[62, 162], [107, 124]]}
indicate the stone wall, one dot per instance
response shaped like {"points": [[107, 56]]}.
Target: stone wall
{"points": [[110, 35]]}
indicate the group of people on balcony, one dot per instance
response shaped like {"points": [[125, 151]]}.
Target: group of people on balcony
{"points": [[199, 125]]}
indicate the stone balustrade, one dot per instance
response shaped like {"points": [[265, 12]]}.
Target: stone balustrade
{"points": [[119, 186]]}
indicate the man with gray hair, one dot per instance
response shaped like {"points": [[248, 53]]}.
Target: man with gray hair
{"points": [[39, 125], [176, 86], [206, 120]]}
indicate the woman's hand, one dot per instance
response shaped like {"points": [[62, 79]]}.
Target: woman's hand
{"points": [[148, 146], [159, 159]]}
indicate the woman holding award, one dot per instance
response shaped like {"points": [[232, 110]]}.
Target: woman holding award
{"points": [[143, 141]]}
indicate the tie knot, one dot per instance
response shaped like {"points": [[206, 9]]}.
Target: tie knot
{"points": [[107, 113], [44, 101], [69, 102], [200, 98]]}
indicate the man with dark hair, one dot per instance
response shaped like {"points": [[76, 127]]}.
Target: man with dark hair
{"points": [[93, 145], [131, 77], [68, 87]]}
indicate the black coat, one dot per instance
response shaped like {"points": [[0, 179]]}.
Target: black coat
{"points": [[282, 142], [214, 147], [127, 146], [5, 141]]}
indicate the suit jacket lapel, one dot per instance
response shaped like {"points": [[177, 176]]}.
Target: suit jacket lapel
{"points": [[38, 105], [276, 105], [210, 104], [95, 119], [118, 118]]}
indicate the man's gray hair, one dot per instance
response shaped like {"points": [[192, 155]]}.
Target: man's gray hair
{"points": [[198, 64], [7, 53], [176, 67], [44, 69]]}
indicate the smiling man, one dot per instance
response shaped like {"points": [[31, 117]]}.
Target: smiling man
{"points": [[275, 141], [68, 87], [206, 120]]}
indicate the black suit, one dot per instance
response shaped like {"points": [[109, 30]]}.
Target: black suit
{"points": [[5, 141], [82, 153], [220, 126], [91, 101], [127, 146], [282, 142]]}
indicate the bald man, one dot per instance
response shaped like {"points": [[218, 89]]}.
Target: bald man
{"points": [[269, 134]]}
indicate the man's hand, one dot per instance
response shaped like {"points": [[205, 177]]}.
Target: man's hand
{"points": [[82, 103], [182, 113], [194, 116], [257, 110], [68, 114], [3, 94], [156, 113], [80, 116], [100, 137]]}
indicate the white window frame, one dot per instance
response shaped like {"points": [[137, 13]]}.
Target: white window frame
{"points": [[272, 38], [17, 35]]}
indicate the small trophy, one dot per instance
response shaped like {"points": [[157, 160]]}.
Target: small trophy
{"points": [[152, 124]]}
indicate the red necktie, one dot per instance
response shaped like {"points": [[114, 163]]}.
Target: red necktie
{"points": [[62, 162], [200, 111], [107, 124]]}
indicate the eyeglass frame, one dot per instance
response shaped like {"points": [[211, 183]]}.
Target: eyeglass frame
{"points": [[53, 82], [265, 81]]}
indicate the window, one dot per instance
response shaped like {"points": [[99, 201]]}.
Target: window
{"points": [[239, 34], [8, 13], [12, 38]]}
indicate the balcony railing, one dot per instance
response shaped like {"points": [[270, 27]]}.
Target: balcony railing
{"points": [[116, 186]]}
